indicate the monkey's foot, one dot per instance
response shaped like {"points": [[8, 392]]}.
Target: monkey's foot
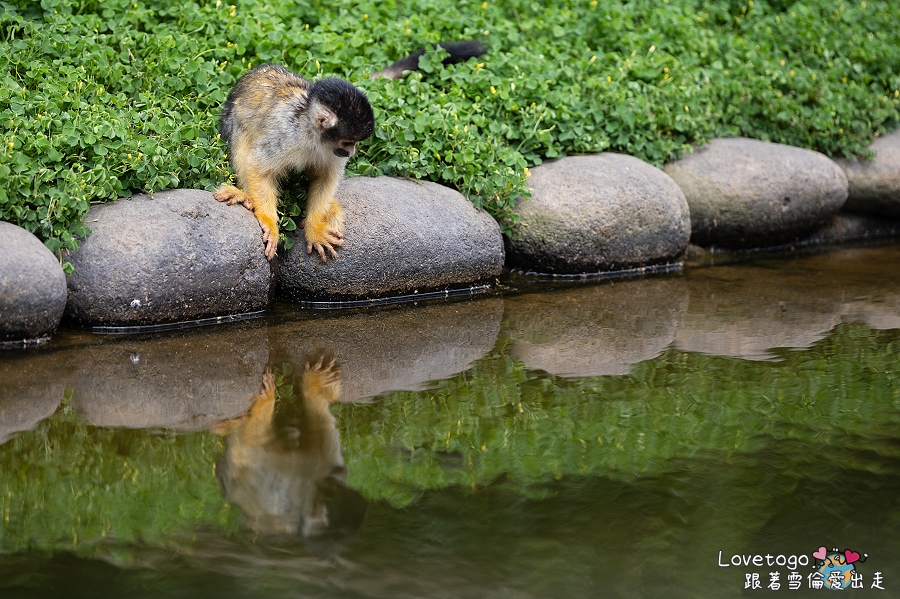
{"points": [[270, 239], [232, 195]]}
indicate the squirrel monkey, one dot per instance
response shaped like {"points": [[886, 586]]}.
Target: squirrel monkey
{"points": [[275, 121]]}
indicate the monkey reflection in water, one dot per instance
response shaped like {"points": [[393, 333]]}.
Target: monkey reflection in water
{"points": [[282, 465]]}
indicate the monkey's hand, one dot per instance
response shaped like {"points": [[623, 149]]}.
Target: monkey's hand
{"points": [[263, 403], [232, 195], [321, 381], [325, 231], [327, 241], [270, 238], [268, 218]]}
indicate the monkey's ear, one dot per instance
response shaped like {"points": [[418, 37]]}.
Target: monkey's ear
{"points": [[323, 118]]}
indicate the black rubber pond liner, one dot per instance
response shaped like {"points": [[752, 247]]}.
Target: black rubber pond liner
{"points": [[393, 299], [175, 326], [625, 273]]}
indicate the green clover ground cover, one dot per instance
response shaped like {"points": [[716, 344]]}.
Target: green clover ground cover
{"points": [[103, 98]]}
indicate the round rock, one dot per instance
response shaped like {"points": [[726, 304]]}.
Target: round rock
{"points": [[598, 213], [32, 286], [875, 184], [747, 193], [401, 237], [174, 256]]}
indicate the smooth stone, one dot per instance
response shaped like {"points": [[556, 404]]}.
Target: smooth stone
{"points": [[171, 257], [747, 193], [875, 184], [401, 237], [598, 213], [32, 287], [848, 226]]}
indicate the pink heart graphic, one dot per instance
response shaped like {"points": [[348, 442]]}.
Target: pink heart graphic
{"points": [[851, 556], [821, 553]]}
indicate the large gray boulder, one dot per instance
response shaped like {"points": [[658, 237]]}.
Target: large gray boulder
{"points": [[599, 213], [747, 193], [32, 286], [401, 237], [875, 184], [174, 256]]}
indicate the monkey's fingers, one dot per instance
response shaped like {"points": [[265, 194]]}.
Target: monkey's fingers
{"points": [[222, 195], [271, 247], [268, 381], [232, 195], [320, 248], [327, 373], [270, 241]]}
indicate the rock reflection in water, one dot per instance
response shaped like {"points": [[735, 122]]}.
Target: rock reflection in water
{"points": [[31, 389], [282, 464], [188, 380], [182, 381], [597, 330], [400, 349], [747, 310]]}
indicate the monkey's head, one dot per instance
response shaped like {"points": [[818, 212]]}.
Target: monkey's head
{"points": [[341, 114]]}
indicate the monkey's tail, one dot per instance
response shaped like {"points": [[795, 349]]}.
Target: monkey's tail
{"points": [[459, 51]]}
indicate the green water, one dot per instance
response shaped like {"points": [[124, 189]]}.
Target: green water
{"points": [[629, 439]]}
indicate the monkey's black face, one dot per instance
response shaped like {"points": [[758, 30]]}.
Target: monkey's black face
{"points": [[355, 120]]}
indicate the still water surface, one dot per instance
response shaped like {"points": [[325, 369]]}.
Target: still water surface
{"points": [[644, 438]]}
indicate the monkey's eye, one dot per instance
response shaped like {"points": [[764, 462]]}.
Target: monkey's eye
{"points": [[341, 153]]}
